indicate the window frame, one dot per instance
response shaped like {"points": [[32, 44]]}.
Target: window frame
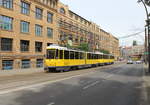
{"points": [[8, 26], [4, 4], [38, 30], [38, 13], [25, 61], [24, 48], [50, 17], [6, 44], [9, 65], [38, 46], [39, 63], [24, 9], [50, 30], [22, 26]]}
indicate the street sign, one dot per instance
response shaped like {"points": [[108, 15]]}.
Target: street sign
{"points": [[146, 53], [147, 2]]}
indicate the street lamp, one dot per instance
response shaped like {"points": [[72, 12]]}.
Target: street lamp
{"points": [[147, 3]]}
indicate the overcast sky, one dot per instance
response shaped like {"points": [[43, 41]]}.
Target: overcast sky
{"points": [[119, 17]]}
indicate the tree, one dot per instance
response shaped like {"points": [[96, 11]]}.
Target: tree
{"points": [[104, 51], [134, 43], [84, 47]]}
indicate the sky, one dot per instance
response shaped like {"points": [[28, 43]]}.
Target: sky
{"points": [[118, 17]]}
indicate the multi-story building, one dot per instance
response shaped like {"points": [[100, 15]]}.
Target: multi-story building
{"points": [[27, 27], [114, 46], [73, 29], [131, 51]]}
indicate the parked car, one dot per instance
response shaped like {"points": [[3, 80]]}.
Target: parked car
{"points": [[138, 62], [129, 62]]}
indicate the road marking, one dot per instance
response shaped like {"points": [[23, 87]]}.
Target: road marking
{"points": [[41, 84], [52, 103], [90, 85], [109, 76]]}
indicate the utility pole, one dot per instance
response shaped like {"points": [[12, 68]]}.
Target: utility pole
{"points": [[147, 3]]}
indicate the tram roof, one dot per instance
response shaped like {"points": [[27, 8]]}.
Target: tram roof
{"points": [[61, 48], [57, 47]]}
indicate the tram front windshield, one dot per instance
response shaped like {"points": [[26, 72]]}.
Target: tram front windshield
{"points": [[51, 54]]}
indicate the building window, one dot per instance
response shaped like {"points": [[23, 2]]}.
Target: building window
{"points": [[25, 8], [39, 63], [76, 17], [25, 63], [62, 10], [6, 3], [5, 22], [6, 44], [71, 15], [7, 64], [38, 30], [49, 32], [38, 13], [38, 46], [49, 17], [24, 27], [24, 45]]}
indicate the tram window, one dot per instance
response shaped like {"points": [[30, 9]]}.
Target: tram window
{"points": [[66, 54], [96, 56], [76, 55], [110, 57], [71, 54], [90, 56], [57, 57], [81, 55], [50, 54], [87, 55], [93, 56], [104, 56], [61, 54], [101, 56]]}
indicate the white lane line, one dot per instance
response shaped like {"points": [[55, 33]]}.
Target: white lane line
{"points": [[52, 103], [41, 84], [109, 76], [90, 85]]}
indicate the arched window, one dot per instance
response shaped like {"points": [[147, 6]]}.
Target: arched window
{"points": [[62, 10]]}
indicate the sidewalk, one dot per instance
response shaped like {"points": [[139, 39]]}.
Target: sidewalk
{"points": [[20, 71], [146, 78], [30, 70]]}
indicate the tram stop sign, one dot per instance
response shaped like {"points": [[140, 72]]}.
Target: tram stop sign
{"points": [[147, 2]]}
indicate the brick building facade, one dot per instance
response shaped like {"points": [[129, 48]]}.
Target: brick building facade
{"points": [[28, 26]]}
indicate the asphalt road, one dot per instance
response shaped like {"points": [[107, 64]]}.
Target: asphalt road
{"points": [[120, 85]]}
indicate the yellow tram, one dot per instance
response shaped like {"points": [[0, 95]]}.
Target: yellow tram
{"points": [[64, 59]]}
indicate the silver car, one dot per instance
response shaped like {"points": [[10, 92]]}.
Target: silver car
{"points": [[129, 62]]}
